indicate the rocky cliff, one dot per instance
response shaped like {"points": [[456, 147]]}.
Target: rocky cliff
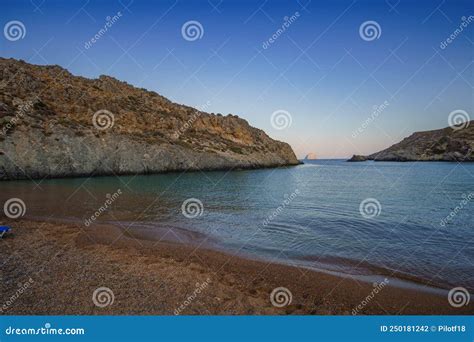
{"points": [[447, 144], [54, 124]]}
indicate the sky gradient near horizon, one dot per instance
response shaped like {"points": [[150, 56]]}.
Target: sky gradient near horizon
{"points": [[320, 70]]}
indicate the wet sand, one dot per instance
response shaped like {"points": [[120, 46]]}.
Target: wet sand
{"points": [[54, 268]]}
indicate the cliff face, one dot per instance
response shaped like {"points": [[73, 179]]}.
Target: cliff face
{"points": [[445, 144], [54, 124]]}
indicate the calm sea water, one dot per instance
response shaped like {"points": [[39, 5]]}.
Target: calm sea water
{"points": [[420, 226]]}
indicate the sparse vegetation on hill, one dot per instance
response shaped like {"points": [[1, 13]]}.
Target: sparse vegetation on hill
{"points": [[46, 117]]}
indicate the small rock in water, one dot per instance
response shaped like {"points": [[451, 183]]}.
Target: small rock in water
{"points": [[357, 158]]}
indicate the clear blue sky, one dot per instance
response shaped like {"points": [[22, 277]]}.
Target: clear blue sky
{"points": [[319, 69]]}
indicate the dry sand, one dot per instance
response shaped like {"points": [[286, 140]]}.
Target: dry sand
{"points": [[54, 268]]}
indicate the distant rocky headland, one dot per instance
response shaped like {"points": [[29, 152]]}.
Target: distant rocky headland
{"points": [[448, 144], [55, 124]]}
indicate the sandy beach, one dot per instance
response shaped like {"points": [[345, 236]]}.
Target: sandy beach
{"points": [[54, 268]]}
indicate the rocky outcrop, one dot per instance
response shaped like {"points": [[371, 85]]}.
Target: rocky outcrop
{"points": [[447, 144], [54, 124], [311, 156], [357, 158]]}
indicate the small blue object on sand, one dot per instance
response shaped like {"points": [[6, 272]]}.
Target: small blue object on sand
{"points": [[3, 230]]}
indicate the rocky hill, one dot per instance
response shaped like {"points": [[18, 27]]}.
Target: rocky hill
{"points": [[447, 144], [54, 124]]}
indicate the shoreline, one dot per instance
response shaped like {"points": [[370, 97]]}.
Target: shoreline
{"points": [[7, 178], [67, 263], [363, 271]]}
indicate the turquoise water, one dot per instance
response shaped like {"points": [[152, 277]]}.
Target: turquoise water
{"points": [[308, 215]]}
